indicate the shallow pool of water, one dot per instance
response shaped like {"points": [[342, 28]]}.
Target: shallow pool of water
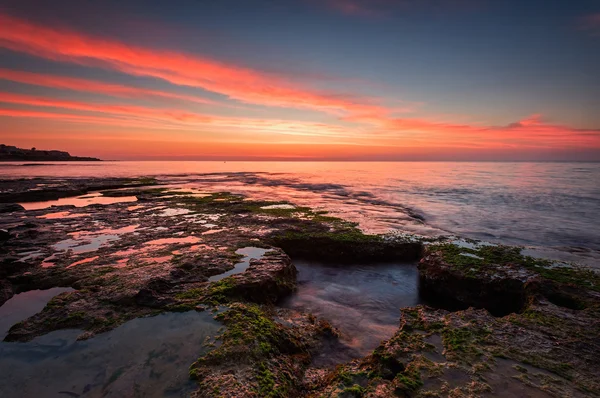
{"points": [[362, 301], [249, 253], [146, 357], [23, 305], [79, 201]]}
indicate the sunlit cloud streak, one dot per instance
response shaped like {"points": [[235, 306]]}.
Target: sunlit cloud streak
{"points": [[529, 132], [86, 85], [233, 81], [137, 116]]}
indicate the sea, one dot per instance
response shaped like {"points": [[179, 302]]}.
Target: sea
{"points": [[552, 209]]}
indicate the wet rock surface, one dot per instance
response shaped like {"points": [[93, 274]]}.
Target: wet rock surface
{"points": [[10, 207], [533, 330], [41, 189], [542, 342]]}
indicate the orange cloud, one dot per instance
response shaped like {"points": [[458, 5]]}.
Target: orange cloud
{"points": [[530, 132], [235, 82], [137, 116], [136, 111], [85, 85]]}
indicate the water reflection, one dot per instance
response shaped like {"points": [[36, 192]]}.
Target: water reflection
{"points": [[79, 201], [147, 357], [249, 253], [363, 301], [23, 305]]}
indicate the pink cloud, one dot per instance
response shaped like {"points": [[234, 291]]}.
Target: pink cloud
{"points": [[591, 23], [356, 7], [380, 8], [233, 81]]}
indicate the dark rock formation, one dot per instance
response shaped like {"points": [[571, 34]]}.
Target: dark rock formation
{"points": [[6, 291], [266, 280], [501, 289], [10, 207], [12, 153], [345, 247]]}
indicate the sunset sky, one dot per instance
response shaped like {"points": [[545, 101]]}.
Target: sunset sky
{"points": [[303, 79]]}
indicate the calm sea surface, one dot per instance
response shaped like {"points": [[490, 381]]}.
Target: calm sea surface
{"points": [[553, 208]]}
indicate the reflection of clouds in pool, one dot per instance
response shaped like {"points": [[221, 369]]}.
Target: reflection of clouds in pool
{"points": [[362, 301], [79, 201], [23, 305], [249, 253], [146, 357]]}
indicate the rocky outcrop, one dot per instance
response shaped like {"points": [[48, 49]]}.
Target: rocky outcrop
{"points": [[546, 350], [267, 280], [501, 289], [6, 291], [345, 247], [12, 153], [10, 207], [531, 331], [500, 279]]}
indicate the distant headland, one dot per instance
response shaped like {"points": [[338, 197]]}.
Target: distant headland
{"points": [[12, 153]]}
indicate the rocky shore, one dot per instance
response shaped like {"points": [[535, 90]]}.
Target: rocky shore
{"points": [[497, 323]]}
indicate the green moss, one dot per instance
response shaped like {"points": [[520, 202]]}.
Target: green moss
{"points": [[266, 381], [505, 255], [354, 391], [347, 236], [408, 341], [350, 378], [409, 380], [191, 294], [223, 287], [75, 317], [253, 338], [537, 317], [464, 342]]}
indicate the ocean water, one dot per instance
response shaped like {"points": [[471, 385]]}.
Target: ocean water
{"points": [[551, 208]]}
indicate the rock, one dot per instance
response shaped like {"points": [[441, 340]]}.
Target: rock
{"points": [[4, 235], [6, 291], [149, 298], [10, 207], [345, 247], [265, 281], [500, 289], [546, 350]]}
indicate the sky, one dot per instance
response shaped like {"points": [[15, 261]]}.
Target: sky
{"points": [[302, 79]]}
